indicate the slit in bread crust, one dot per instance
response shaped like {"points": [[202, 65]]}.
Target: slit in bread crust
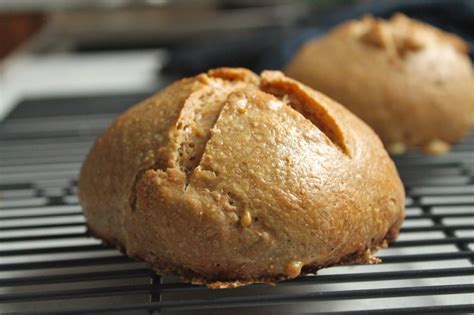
{"points": [[193, 128], [196, 122], [300, 100]]}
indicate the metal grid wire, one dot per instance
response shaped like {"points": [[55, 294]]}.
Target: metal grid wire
{"points": [[48, 265]]}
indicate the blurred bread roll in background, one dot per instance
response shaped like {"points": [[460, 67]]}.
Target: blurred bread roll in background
{"points": [[411, 82]]}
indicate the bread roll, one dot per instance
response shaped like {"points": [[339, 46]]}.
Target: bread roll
{"points": [[228, 178], [412, 83]]}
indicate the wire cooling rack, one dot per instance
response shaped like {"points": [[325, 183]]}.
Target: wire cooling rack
{"points": [[48, 265]]}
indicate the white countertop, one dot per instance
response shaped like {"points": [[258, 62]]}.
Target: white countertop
{"points": [[62, 74]]}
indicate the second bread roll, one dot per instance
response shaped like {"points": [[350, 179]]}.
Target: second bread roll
{"points": [[412, 83]]}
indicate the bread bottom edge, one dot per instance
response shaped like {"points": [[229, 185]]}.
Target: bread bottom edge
{"points": [[360, 256]]}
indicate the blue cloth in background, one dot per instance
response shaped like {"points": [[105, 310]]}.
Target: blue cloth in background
{"points": [[272, 49]]}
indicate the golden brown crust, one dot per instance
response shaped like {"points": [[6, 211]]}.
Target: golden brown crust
{"points": [[409, 81], [228, 178]]}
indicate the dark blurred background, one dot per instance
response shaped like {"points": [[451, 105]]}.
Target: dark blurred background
{"points": [[188, 36], [215, 32]]}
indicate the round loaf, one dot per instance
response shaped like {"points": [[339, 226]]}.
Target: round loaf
{"points": [[228, 178], [412, 83]]}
